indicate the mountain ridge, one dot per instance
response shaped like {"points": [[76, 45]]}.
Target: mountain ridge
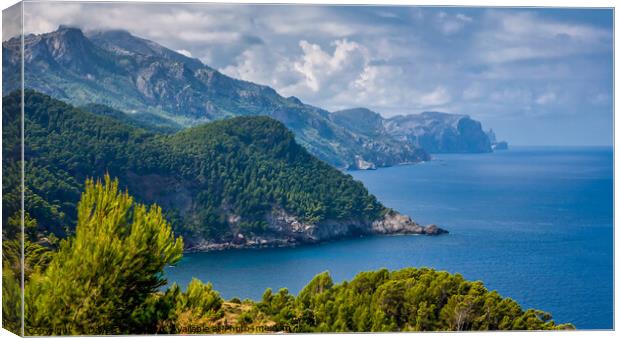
{"points": [[136, 75], [436, 132]]}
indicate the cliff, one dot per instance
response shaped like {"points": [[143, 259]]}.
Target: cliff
{"points": [[440, 132], [286, 230], [496, 145], [432, 131]]}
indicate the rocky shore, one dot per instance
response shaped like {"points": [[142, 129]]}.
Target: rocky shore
{"points": [[285, 230]]}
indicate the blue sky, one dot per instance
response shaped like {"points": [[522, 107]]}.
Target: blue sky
{"points": [[536, 76]]}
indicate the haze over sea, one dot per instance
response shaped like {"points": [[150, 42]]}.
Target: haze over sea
{"points": [[534, 223]]}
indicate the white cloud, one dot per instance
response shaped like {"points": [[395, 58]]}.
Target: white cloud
{"points": [[318, 67], [313, 72], [184, 52], [546, 98], [437, 97], [473, 92], [600, 99], [464, 17], [263, 65], [11, 21], [450, 24], [514, 36]]}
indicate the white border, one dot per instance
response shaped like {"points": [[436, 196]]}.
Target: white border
{"points": [[469, 3]]}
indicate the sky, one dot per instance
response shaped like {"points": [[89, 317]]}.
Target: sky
{"points": [[537, 76]]}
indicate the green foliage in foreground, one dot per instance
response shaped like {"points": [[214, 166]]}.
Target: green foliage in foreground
{"points": [[106, 280], [406, 300], [100, 280]]}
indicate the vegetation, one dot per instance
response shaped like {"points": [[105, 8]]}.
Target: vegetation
{"points": [[11, 222], [105, 276], [238, 169], [107, 279], [100, 281], [146, 121], [405, 300]]}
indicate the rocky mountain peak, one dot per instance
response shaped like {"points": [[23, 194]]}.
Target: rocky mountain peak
{"points": [[122, 42], [67, 29], [67, 46], [66, 41]]}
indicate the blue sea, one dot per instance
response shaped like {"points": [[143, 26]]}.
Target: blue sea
{"points": [[535, 224]]}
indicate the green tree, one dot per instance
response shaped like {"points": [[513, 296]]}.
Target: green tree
{"points": [[199, 304], [97, 280], [404, 300]]}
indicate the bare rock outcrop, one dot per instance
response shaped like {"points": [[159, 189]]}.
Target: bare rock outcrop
{"points": [[394, 223], [285, 230]]}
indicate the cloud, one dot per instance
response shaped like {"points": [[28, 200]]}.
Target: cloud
{"points": [[600, 98], [437, 97], [319, 68], [11, 18], [263, 65], [464, 17], [314, 72], [515, 36], [473, 92], [450, 24], [184, 52], [209, 32], [546, 98]]}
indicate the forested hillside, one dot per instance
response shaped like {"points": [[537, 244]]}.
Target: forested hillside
{"points": [[242, 176]]}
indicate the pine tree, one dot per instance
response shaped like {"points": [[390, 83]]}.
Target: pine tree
{"points": [[98, 279]]}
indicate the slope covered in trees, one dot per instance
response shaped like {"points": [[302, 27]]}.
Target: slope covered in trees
{"points": [[215, 181], [106, 279]]}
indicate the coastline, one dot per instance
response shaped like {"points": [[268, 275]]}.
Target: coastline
{"points": [[287, 231]]}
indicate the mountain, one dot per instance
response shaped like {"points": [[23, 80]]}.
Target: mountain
{"points": [[230, 183], [360, 120], [142, 78], [435, 132], [440, 132]]}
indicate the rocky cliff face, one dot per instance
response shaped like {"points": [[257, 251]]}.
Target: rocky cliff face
{"points": [[440, 132], [396, 223], [432, 131], [287, 230], [495, 144]]}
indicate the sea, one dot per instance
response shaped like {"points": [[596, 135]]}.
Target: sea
{"points": [[533, 223]]}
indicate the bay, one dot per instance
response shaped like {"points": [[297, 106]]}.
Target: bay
{"points": [[534, 223]]}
